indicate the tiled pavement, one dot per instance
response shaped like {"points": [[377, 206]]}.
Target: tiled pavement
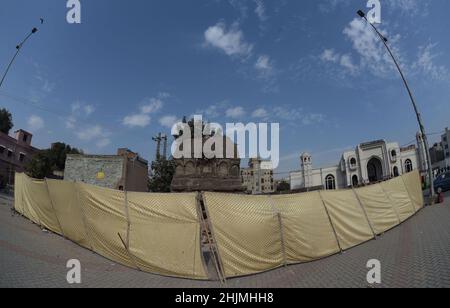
{"points": [[415, 254]]}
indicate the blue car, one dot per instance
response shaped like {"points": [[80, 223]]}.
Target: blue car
{"points": [[443, 182]]}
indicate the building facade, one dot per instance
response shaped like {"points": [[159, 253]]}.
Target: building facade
{"points": [[124, 171], [15, 153], [258, 178], [369, 162], [440, 154]]}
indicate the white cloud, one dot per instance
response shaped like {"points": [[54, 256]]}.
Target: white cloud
{"points": [[260, 10], [260, 113], [263, 65], [329, 55], [152, 105], [35, 123], [235, 113], [373, 55], [103, 143], [230, 41], [71, 121], [425, 64], [89, 109], [137, 120], [78, 109], [143, 119], [90, 133], [297, 115], [168, 121], [347, 62]]}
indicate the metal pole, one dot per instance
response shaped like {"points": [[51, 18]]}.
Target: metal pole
{"points": [[416, 110], [18, 47]]}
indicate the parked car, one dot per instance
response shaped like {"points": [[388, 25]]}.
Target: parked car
{"points": [[443, 182]]}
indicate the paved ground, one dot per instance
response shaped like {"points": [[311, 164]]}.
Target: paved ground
{"points": [[415, 254]]}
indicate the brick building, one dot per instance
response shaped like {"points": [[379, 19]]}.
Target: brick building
{"points": [[124, 171], [15, 153]]}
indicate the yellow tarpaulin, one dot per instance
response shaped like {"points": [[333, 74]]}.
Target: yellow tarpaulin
{"points": [[307, 232], [413, 186], [379, 209], [160, 233], [247, 232], [347, 216], [398, 195], [68, 211], [165, 234]]}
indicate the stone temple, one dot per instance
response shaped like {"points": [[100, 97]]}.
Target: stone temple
{"points": [[204, 174]]}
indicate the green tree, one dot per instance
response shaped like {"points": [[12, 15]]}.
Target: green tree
{"points": [[283, 186], [6, 122], [40, 166], [54, 159], [163, 171]]}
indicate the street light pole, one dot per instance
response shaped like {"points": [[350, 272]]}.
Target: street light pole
{"points": [[18, 47], [416, 110]]}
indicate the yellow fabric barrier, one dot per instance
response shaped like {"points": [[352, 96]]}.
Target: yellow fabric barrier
{"points": [[165, 234], [37, 204], [379, 209], [307, 232], [157, 233], [348, 218], [398, 195], [18, 193], [413, 186], [247, 232], [160, 233]]}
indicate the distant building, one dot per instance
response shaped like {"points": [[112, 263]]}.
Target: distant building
{"points": [[258, 178], [369, 162], [437, 153], [124, 171], [445, 144], [441, 163], [15, 153]]}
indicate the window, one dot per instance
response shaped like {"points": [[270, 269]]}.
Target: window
{"points": [[353, 162], [25, 137], [21, 157], [408, 166], [10, 153], [393, 154], [330, 182], [446, 146], [2, 149]]}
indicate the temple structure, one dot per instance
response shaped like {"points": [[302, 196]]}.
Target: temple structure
{"points": [[204, 174]]}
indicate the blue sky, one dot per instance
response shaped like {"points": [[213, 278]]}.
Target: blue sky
{"points": [[133, 67]]}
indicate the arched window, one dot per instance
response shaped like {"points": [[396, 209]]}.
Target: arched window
{"points": [[353, 162], [408, 166], [330, 182], [396, 174]]}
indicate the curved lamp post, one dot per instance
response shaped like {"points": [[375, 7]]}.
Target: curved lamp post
{"points": [[416, 110], [18, 47]]}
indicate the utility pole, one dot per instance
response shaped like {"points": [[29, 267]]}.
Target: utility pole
{"points": [[416, 110], [164, 138], [158, 140]]}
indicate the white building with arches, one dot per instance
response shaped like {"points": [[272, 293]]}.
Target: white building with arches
{"points": [[369, 162]]}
